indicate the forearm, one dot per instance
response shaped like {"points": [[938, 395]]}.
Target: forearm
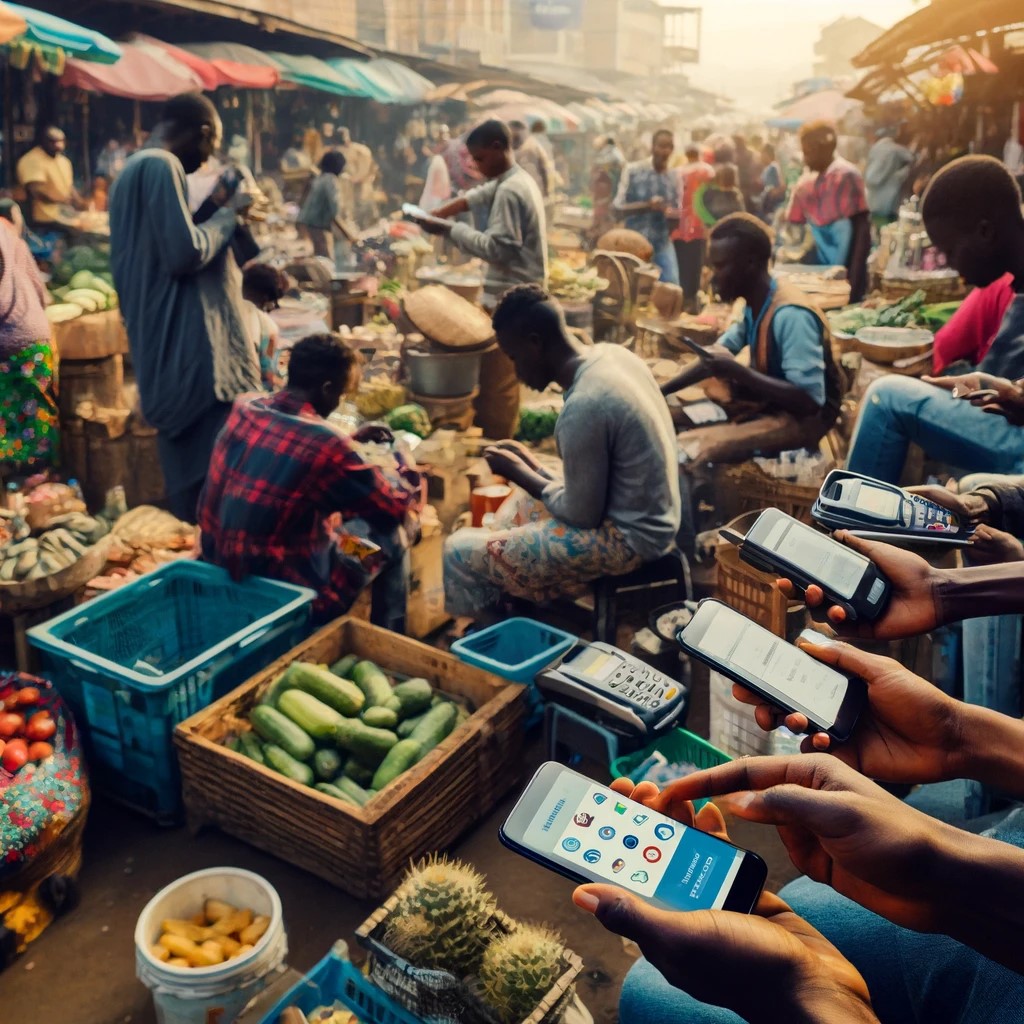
{"points": [[991, 749], [981, 590], [452, 209], [529, 480], [693, 374], [780, 393], [629, 208]]}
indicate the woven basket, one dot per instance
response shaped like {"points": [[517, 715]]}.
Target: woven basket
{"points": [[940, 289], [440, 997], [757, 490], [30, 594]]}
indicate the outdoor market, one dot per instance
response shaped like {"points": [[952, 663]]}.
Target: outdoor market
{"points": [[511, 513]]}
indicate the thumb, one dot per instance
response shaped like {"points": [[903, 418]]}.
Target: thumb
{"points": [[823, 813], [625, 914]]}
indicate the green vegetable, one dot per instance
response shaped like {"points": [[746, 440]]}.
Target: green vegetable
{"points": [[413, 418], [358, 772], [311, 715], [249, 744], [436, 725], [352, 789], [326, 764], [373, 683], [414, 695], [232, 743], [329, 790], [536, 424], [276, 729], [380, 718], [402, 756], [343, 667], [340, 694], [283, 762], [899, 314], [368, 745], [406, 726]]}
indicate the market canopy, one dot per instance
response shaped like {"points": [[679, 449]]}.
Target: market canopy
{"points": [[361, 76], [413, 87], [55, 34], [215, 71], [144, 72], [314, 73], [12, 24], [827, 105]]}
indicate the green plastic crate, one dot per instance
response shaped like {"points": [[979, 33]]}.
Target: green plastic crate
{"points": [[678, 746]]}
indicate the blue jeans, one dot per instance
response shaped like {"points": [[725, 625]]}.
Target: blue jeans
{"points": [[912, 977], [897, 411], [665, 258]]}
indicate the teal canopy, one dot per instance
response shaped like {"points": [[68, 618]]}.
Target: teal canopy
{"points": [[314, 73], [53, 33]]}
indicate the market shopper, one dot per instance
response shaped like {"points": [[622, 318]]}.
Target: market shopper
{"points": [[772, 186], [972, 212], [969, 334], [690, 237], [514, 246], [360, 171], [614, 503], [605, 173], [263, 287], [29, 419], [46, 175], [533, 158], [181, 297], [889, 164], [830, 200], [289, 496], [648, 199], [789, 395], [322, 213]]}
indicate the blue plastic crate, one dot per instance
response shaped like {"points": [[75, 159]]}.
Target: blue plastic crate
{"points": [[137, 661], [516, 649], [337, 978]]}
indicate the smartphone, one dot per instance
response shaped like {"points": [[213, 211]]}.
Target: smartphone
{"points": [[753, 656], [984, 394], [585, 831], [778, 543], [693, 346]]}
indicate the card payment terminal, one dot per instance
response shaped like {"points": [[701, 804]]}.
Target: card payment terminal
{"points": [[880, 511], [618, 690]]}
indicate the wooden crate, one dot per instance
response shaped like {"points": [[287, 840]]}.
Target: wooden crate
{"points": [[361, 850]]}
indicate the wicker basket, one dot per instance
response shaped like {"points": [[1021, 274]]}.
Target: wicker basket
{"points": [[937, 289], [757, 490], [30, 594], [748, 591], [363, 850], [441, 997]]}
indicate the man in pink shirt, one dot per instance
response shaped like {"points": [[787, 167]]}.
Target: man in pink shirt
{"points": [[689, 238], [972, 328]]}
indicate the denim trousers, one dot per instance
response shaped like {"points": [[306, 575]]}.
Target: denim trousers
{"points": [[665, 259], [898, 411]]}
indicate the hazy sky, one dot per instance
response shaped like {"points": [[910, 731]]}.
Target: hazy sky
{"points": [[753, 50]]}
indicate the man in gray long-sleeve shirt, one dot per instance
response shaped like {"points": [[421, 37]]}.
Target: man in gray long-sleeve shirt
{"points": [[181, 297], [514, 246], [615, 504]]}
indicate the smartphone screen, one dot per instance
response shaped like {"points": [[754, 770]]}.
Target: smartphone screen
{"points": [[816, 555], [879, 501], [595, 834], [784, 673]]}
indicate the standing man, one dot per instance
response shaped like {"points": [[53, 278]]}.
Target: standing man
{"points": [[46, 175], [533, 158], [830, 200], [513, 244], [773, 185], [648, 198], [688, 238], [360, 168], [181, 296], [888, 165]]}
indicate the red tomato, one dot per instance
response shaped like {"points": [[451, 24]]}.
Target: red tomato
{"points": [[27, 696], [40, 726], [15, 755], [3, 743], [11, 724], [40, 751]]}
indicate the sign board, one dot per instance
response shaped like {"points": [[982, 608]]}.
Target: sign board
{"points": [[555, 15]]}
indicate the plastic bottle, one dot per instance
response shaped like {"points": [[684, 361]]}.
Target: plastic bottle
{"points": [[13, 498]]}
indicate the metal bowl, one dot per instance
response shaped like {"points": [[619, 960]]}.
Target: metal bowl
{"points": [[443, 374], [889, 344]]}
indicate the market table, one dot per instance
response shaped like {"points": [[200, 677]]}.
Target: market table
{"points": [[91, 336]]}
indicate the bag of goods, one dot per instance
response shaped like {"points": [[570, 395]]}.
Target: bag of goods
{"points": [[411, 418], [624, 240], [45, 796], [449, 319]]}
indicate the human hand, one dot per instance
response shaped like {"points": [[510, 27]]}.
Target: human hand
{"points": [[909, 731], [657, 203], [991, 394], [504, 462], [702, 952], [374, 433], [993, 547], [719, 361], [968, 508], [432, 226], [912, 609], [240, 202], [519, 449]]}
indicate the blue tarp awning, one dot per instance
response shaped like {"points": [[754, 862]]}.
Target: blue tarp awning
{"points": [[53, 33], [314, 73]]}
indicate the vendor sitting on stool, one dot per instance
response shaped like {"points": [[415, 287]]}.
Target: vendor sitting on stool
{"points": [[789, 396], [615, 504], [289, 497]]}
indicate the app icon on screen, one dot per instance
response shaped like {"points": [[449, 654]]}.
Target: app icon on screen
{"points": [[583, 819], [652, 855], [639, 876], [620, 808], [664, 832], [639, 819], [630, 842], [607, 832], [618, 865], [592, 856], [599, 798], [571, 844]]}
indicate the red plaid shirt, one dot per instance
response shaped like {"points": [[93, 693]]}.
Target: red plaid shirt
{"points": [[280, 478], [835, 194]]}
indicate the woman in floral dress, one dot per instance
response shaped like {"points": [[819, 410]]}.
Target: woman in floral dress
{"points": [[28, 405]]}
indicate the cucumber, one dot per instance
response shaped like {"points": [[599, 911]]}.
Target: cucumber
{"points": [[436, 725], [343, 667], [369, 745], [341, 695], [311, 715], [326, 787], [326, 764], [276, 729], [415, 696], [351, 789], [406, 726], [393, 704], [372, 682], [403, 755], [283, 763], [357, 772], [232, 743], [274, 690], [249, 744], [380, 718]]}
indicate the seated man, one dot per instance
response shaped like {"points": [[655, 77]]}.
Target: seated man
{"points": [[289, 497], [790, 394], [972, 212], [614, 506]]}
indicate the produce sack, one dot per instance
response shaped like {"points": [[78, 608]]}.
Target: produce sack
{"points": [[43, 807]]}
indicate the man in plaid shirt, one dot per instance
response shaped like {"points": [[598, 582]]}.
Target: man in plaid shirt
{"points": [[289, 497]]}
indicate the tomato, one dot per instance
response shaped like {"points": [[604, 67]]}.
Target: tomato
{"points": [[40, 726], [40, 751], [26, 696], [11, 724], [3, 743], [15, 755]]}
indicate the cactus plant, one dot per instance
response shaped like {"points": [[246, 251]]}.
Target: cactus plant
{"points": [[519, 969], [443, 919]]}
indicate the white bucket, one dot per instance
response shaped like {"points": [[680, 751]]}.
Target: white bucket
{"points": [[209, 995]]}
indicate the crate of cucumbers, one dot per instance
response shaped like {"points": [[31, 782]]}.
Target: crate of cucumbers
{"points": [[354, 752]]}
